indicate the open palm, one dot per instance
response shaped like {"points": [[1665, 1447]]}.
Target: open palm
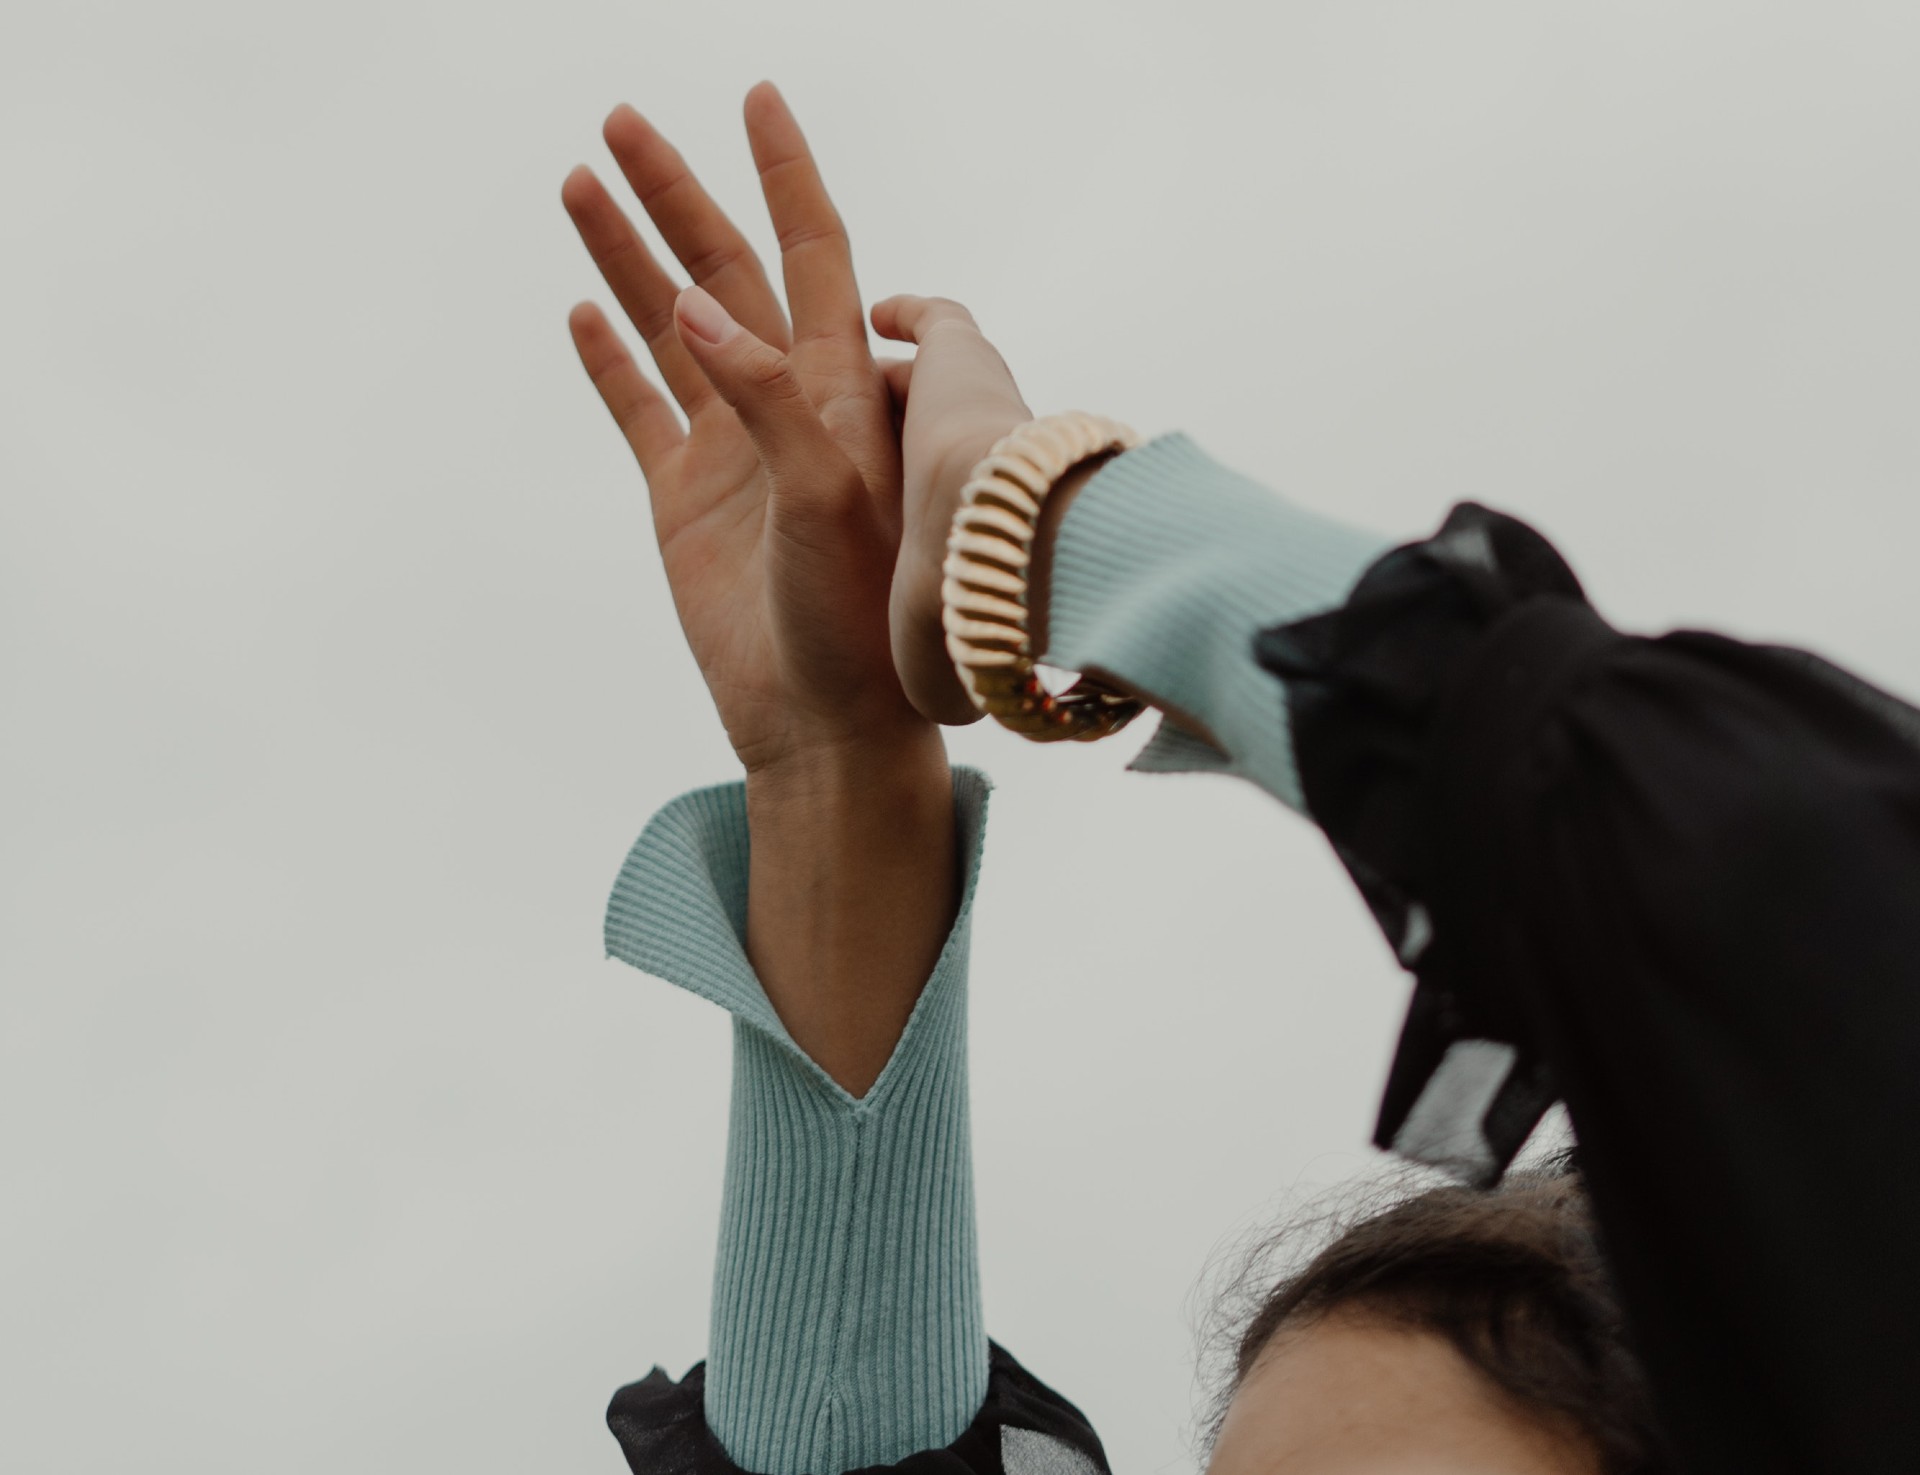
{"points": [[780, 565]]}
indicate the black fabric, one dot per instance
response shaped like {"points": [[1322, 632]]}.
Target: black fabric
{"points": [[662, 1426], [1676, 881], [1364, 691]]}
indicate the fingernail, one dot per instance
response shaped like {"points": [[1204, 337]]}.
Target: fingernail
{"points": [[707, 318]]}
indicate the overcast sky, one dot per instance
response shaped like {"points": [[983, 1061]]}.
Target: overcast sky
{"points": [[340, 672]]}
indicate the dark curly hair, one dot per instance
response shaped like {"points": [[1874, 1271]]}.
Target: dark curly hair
{"points": [[1512, 1277]]}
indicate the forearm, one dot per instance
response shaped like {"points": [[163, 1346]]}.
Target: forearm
{"points": [[851, 894], [1156, 570]]}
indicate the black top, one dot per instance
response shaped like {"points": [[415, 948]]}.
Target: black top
{"points": [[1023, 1428], [1672, 881], [1680, 879]]}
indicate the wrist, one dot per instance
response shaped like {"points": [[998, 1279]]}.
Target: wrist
{"points": [[850, 770]]}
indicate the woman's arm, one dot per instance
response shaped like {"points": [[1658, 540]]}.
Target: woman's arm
{"points": [[846, 1314], [1671, 880], [1674, 881], [819, 899]]}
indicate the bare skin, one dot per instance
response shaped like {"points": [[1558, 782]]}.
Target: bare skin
{"points": [[1353, 1395]]}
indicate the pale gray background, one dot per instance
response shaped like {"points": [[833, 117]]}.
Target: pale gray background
{"points": [[339, 671]]}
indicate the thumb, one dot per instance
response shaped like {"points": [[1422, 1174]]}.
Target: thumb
{"points": [[805, 468], [965, 369]]}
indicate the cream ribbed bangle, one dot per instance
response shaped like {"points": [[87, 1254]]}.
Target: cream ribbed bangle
{"points": [[984, 593]]}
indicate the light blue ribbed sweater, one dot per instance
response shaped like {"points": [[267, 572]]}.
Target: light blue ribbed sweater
{"points": [[846, 1325]]}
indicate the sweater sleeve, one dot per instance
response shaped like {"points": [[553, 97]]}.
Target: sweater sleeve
{"points": [[846, 1316], [1165, 568]]}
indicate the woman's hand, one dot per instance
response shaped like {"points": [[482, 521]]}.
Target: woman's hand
{"points": [[777, 507], [959, 399], [778, 516]]}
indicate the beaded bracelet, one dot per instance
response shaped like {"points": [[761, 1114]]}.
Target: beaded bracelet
{"points": [[984, 592]]}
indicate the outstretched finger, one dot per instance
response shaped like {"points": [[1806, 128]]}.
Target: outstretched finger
{"points": [[807, 472], [815, 255], [695, 229], [639, 284], [641, 411]]}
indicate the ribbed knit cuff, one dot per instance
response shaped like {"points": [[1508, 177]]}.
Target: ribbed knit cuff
{"points": [[847, 1327], [1164, 568]]}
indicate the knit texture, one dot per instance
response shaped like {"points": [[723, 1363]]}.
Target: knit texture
{"points": [[1165, 566], [846, 1319]]}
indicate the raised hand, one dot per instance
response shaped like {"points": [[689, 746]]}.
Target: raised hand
{"points": [[777, 507], [778, 515]]}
